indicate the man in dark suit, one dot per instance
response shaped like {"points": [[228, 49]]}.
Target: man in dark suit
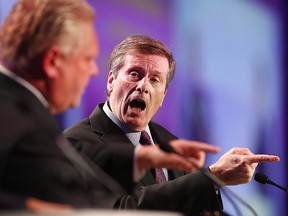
{"points": [[47, 55], [141, 69]]}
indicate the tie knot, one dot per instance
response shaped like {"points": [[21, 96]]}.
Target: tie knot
{"points": [[145, 138]]}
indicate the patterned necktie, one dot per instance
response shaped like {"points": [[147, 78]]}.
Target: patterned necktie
{"points": [[146, 140]]}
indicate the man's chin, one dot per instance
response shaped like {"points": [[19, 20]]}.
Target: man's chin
{"points": [[76, 103], [136, 114], [136, 124]]}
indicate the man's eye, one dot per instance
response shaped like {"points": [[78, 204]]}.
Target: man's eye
{"points": [[155, 79], [134, 74]]}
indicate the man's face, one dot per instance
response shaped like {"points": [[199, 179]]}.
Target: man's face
{"points": [[76, 70], [139, 89]]}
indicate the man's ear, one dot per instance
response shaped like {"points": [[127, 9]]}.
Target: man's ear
{"points": [[52, 62], [110, 81]]}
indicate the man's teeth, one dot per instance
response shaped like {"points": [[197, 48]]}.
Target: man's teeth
{"points": [[136, 109]]}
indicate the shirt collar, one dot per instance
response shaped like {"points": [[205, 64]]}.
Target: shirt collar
{"points": [[25, 84], [134, 136]]}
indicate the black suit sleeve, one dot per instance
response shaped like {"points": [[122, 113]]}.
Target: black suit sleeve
{"points": [[11, 200], [190, 194], [116, 162]]}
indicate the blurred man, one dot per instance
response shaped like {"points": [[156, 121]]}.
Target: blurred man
{"points": [[47, 56], [141, 69]]}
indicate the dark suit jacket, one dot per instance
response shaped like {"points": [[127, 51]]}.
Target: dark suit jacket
{"points": [[190, 194], [32, 160]]}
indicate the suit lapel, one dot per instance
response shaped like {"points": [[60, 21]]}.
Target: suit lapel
{"points": [[110, 132], [148, 179]]}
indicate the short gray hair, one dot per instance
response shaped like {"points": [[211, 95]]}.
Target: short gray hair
{"points": [[145, 45], [33, 26]]}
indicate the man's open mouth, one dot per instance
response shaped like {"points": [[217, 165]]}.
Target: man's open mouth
{"points": [[137, 105]]}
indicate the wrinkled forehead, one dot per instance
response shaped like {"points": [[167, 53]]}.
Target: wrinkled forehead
{"points": [[147, 61]]}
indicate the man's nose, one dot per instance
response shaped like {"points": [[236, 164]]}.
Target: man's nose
{"points": [[143, 85], [94, 69]]}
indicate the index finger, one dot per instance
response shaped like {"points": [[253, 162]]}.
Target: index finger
{"points": [[188, 147], [260, 158], [201, 146]]}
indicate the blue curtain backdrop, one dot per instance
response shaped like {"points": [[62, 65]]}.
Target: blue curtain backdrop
{"points": [[228, 88]]}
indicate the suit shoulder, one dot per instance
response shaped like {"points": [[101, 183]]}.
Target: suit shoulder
{"points": [[82, 132], [15, 117], [80, 126]]}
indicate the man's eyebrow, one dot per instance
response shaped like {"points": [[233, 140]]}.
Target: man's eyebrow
{"points": [[142, 70], [136, 67], [159, 72]]}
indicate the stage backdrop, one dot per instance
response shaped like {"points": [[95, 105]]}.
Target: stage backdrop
{"points": [[228, 83]]}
